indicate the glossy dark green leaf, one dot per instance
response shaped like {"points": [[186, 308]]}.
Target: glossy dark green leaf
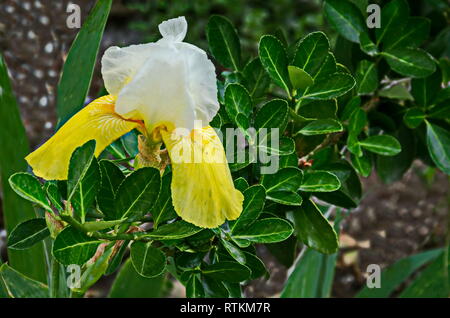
{"points": [[410, 62], [254, 199], [367, 45], [391, 169], [163, 209], [320, 127], [394, 17], [227, 271], [112, 177], [28, 233], [256, 265], [238, 105], [215, 288], [137, 194], [54, 195], [311, 52], [194, 288], [83, 179], [397, 273], [438, 143], [257, 78], [366, 77], [72, 90], [414, 34], [241, 184], [362, 164], [29, 188], [327, 68], [273, 58], [129, 284], [319, 181], [273, 114], [319, 109], [346, 18], [399, 91], [314, 230], [284, 182], [173, 231], [424, 89], [414, 117], [14, 148], [224, 42], [147, 260], [269, 230], [299, 78], [283, 145], [130, 143], [336, 85], [234, 251], [384, 145], [74, 247], [17, 285]]}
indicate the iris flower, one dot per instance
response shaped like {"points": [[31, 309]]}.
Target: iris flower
{"points": [[162, 89]]}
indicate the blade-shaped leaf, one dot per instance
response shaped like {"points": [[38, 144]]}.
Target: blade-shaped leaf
{"points": [[321, 127], [336, 85], [414, 34], [366, 77], [410, 62], [173, 231], [72, 90], [346, 18], [384, 145], [270, 230], [29, 188], [320, 181], [394, 17], [227, 271], [311, 52], [254, 198]]}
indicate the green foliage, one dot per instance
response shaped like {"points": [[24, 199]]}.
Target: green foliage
{"points": [[364, 102]]}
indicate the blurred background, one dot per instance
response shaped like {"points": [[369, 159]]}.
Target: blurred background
{"points": [[392, 222]]}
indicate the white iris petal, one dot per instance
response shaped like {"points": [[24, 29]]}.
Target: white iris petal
{"points": [[167, 82]]}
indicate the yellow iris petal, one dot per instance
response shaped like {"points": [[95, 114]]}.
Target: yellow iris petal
{"points": [[95, 121], [203, 192]]}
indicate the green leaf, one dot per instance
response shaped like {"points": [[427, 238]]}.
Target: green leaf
{"points": [[367, 46], [336, 85], [399, 91], [320, 181], [28, 233], [413, 117], [116, 259], [256, 78], [299, 78], [313, 274], [238, 105], [256, 265], [346, 18], [227, 271], [311, 52], [269, 230], [83, 179], [413, 35], [100, 225], [366, 77], [285, 146], [214, 288], [384, 145], [241, 184], [438, 143], [223, 42], [390, 169], [17, 285], [433, 281], [319, 109], [74, 247], [281, 186], [393, 18], [194, 288], [410, 62], [321, 127], [129, 284], [147, 260], [234, 251], [273, 58], [398, 273], [273, 114], [327, 68], [424, 89], [137, 193], [254, 199], [72, 90], [29, 188], [54, 195], [173, 231], [164, 210], [111, 178], [314, 230], [362, 164], [14, 148]]}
